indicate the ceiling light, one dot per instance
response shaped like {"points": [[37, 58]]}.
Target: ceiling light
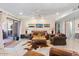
{"points": [[21, 13], [57, 13]]}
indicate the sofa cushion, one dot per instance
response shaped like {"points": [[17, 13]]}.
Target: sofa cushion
{"points": [[62, 52]]}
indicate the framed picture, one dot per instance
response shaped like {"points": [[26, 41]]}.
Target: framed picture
{"points": [[46, 25], [31, 25], [39, 25]]}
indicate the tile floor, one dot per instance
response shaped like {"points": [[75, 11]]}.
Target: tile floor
{"points": [[18, 50]]}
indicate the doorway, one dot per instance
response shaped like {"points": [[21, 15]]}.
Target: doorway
{"points": [[57, 27], [10, 29], [70, 30]]}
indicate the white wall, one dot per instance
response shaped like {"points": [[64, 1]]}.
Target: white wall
{"points": [[1, 34], [29, 20], [76, 26], [62, 27]]}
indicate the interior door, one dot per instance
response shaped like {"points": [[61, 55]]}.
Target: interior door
{"points": [[69, 29]]}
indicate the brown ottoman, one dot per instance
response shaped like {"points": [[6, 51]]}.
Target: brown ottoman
{"points": [[33, 53]]}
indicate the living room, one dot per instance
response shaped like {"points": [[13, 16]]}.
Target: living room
{"points": [[39, 30]]}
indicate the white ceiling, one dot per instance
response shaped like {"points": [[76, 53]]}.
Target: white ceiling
{"points": [[37, 8]]}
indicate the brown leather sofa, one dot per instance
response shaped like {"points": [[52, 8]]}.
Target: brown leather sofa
{"points": [[62, 52], [58, 40]]}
